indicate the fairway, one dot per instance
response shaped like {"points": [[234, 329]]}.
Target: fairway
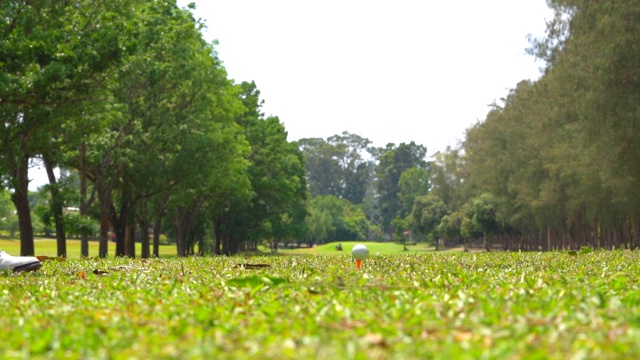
{"points": [[429, 305], [380, 248], [48, 247]]}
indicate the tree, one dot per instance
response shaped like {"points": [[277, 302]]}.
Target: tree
{"points": [[217, 178], [320, 225], [393, 161], [174, 91], [450, 227], [413, 183], [322, 170], [47, 74], [338, 166], [355, 169], [427, 214], [273, 205], [447, 175], [334, 219], [8, 219]]}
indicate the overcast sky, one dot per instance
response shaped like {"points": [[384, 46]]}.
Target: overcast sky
{"points": [[391, 71]]}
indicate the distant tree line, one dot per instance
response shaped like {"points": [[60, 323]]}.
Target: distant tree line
{"points": [[359, 191]]}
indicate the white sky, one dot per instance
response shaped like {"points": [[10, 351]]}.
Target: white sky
{"points": [[390, 71]]}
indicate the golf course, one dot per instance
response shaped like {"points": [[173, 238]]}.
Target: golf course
{"points": [[400, 305], [225, 160], [47, 247]]}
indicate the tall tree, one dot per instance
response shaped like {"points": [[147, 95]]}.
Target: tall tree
{"points": [[334, 219], [413, 183], [447, 177], [426, 215], [340, 166], [277, 176], [354, 158], [394, 160], [174, 91], [323, 170], [47, 73]]}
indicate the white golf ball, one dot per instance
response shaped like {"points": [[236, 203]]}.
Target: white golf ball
{"points": [[359, 252]]}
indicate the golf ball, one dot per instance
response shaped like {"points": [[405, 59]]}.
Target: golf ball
{"points": [[359, 252]]}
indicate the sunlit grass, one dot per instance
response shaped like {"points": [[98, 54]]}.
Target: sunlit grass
{"points": [[48, 247], [382, 248]]}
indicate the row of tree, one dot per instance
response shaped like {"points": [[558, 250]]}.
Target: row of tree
{"points": [[554, 165], [360, 191], [129, 95]]}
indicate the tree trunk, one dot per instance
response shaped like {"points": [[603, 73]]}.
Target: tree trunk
{"points": [[217, 230], [157, 224], [24, 222], [103, 198], [636, 232], [20, 198], [181, 238], [144, 232], [626, 227], [84, 208], [230, 245], [103, 250], [182, 224], [119, 223], [120, 234], [56, 208], [130, 241]]}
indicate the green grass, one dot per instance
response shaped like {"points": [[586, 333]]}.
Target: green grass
{"points": [[381, 248], [48, 247], [407, 306]]}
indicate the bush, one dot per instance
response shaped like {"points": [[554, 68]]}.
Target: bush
{"points": [[77, 225], [10, 224]]}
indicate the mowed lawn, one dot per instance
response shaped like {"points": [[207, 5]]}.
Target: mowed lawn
{"points": [[487, 305], [381, 248], [48, 247]]}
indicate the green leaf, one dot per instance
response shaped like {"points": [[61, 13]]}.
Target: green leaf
{"points": [[586, 250], [256, 281]]}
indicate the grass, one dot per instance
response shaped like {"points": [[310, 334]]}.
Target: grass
{"points": [[407, 306], [381, 248], [48, 247]]}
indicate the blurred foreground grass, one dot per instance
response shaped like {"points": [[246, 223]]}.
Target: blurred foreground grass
{"points": [[413, 306]]}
